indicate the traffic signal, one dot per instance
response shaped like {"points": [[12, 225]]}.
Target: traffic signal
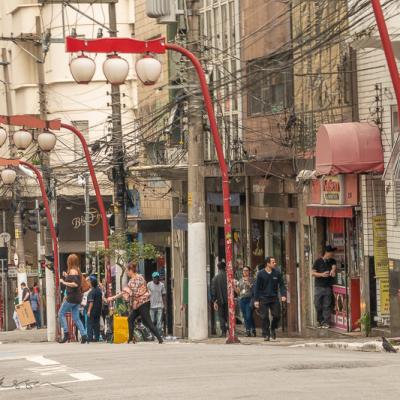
{"points": [[33, 220]]}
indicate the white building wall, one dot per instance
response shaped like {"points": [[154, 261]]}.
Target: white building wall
{"points": [[66, 99]]}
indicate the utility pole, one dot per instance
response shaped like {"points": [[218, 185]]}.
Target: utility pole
{"points": [[118, 150], [197, 259], [87, 223], [45, 162]]}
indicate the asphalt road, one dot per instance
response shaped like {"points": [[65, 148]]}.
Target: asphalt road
{"points": [[193, 371]]}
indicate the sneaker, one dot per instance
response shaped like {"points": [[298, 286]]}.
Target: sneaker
{"points": [[254, 333], [273, 335], [325, 326], [267, 338]]}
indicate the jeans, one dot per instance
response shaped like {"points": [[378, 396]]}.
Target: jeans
{"points": [[156, 315], [144, 312], [74, 310], [36, 313], [245, 306], [265, 309], [323, 304], [16, 320], [93, 328]]}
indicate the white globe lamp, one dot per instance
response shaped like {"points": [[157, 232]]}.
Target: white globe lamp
{"points": [[8, 176], [3, 136], [82, 69], [115, 69], [148, 70], [22, 139], [47, 140]]}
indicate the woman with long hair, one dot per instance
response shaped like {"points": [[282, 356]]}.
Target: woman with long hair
{"points": [[139, 302], [73, 282]]}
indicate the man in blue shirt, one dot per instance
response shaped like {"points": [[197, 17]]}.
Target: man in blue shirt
{"points": [[269, 286]]}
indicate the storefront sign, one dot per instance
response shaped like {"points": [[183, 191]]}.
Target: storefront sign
{"points": [[380, 247], [332, 190], [384, 296], [72, 220]]}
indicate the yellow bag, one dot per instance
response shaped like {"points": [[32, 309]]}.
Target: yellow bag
{"points": [[121, 330]]}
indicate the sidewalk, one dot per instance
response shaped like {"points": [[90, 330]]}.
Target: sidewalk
{"points": [[24, 336]]}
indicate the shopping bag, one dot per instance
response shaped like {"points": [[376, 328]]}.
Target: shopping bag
{"points": [[121, 330]]}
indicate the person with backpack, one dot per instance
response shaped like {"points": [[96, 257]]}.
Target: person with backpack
{"points": [[74, 289], [95, 303]]}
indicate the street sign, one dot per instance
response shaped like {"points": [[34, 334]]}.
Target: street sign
{"points": [[5, 236]]}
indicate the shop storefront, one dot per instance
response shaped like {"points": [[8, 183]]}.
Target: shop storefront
{"points": [[334, 199], [343, 152]]}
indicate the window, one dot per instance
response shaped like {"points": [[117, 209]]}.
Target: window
{"points": [[83, 127], [270, 85]]}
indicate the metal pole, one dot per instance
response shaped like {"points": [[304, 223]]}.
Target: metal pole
{"points": [[87, 223], [100, 202], [225, 184], [197, 248], [388, 49], [5, 278], [39, 257], [51, 227], [118, 150], [3, 294]]}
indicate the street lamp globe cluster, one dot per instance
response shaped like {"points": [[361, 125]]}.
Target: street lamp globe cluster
{"points": [[8, 176], [22, 140], [115, 69]]}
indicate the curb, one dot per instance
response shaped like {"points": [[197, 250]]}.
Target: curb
{"points": [[372, 346]]}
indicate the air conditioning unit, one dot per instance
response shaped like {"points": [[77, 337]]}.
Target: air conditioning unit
{"points": [[164, 10]]}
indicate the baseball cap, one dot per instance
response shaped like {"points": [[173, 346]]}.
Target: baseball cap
{"points": [[330, 249], [155, 274]]}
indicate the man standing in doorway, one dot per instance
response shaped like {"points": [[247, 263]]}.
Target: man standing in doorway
{"points": [[269, 286], [219, 296], [157, 301], [324, 271]]}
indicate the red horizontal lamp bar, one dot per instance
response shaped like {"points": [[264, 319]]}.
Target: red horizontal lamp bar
{"points": [[28, 121], [118, 45]]}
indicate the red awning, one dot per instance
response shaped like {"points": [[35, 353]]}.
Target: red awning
{"points": [[348, 148], [315, 210]]}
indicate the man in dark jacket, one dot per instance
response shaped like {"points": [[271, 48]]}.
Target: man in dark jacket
{"points": [[269, 285], [219, 297]]}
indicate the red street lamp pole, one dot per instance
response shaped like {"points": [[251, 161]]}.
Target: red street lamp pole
{"points": [[99, 200], [28, 121], [127, 45], [16, 163], [388, 49]]}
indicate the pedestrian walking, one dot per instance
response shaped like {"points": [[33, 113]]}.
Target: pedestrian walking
{"points": [[244, 289], [95, 305], [73, 282], [35, 304], [324, 272], [268, 287], [157, 301], [219, 297], [139, 302], [15, 315], [26, 293]]}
